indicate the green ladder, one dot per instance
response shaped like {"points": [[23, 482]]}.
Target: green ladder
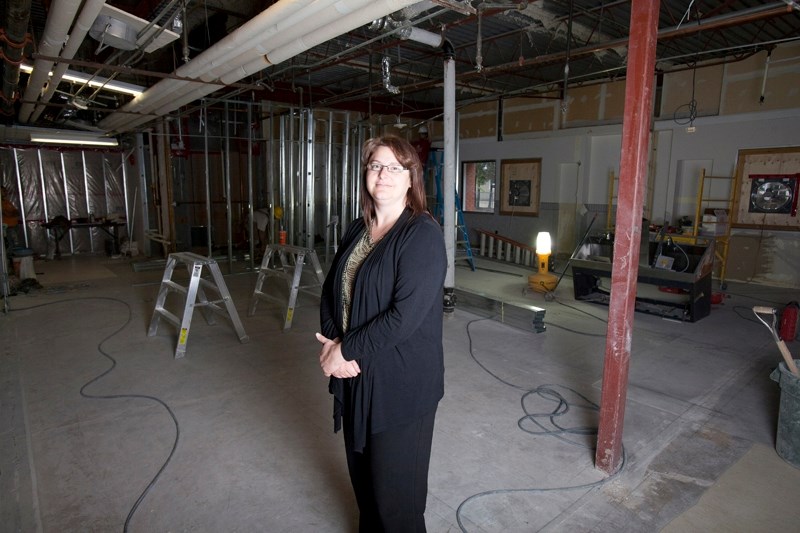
{"points": [[463, 246]]}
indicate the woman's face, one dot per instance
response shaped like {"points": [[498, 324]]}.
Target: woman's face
{"points": [[388, 189]]}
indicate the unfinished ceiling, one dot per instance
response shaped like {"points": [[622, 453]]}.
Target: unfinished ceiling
{"points": [[354, 55]]}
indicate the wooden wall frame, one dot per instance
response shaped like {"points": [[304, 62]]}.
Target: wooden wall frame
{"points": [[761, 163], [520, 186]]}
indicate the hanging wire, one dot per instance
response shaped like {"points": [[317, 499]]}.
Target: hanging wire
{"points": [[686, 14], [692, 105]]}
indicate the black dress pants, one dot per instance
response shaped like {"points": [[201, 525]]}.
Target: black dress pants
{"points": [[390, 476]]}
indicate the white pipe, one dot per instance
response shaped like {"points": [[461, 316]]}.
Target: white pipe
{"points": [[167, 88], [449, 175], [419, 35], [82, 26], [276, 34], [244, 36], [347, 21], [234, 42], [143, 103], [62, 13], [165, 97]]}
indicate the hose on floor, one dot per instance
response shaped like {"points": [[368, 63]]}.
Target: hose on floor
{"points": [[540, 428], [95, 379]]}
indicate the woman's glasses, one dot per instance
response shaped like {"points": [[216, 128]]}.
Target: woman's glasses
{"points": [[393, 169]]}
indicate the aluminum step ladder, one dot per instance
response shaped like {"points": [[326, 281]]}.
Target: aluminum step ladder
{"points": [[194, 292], [286, 262]]}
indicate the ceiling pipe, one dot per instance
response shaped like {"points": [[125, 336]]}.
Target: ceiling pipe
{"points": [[62, 14], [341, 22], [232, 43], [273, 19], [89, 13], [332, 21], [418, 35], [168, 95], [339, 25], [278, 34], [17, 16]]}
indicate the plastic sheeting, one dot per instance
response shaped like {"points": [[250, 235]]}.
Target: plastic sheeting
{"points": [[80, 185]]}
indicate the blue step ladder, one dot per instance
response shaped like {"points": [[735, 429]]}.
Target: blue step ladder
{"points": [[463, 247]]}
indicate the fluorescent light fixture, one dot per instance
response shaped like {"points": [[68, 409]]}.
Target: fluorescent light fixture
{"points": [[97, 81], [73, 138]]}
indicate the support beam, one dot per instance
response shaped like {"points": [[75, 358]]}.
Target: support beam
{"points": [[632, 183], [449, 178]]}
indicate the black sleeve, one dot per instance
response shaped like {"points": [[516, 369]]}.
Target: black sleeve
{"points": [[421, 268]]}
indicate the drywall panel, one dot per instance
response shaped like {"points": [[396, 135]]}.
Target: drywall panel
{"points": [[523, 120], [584, 104], [478, 120], [521, 115], [753, 63], [704, 85], [744, 96], [614, 101]]}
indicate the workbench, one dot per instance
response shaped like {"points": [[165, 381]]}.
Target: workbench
{"points": [[683, 294]]}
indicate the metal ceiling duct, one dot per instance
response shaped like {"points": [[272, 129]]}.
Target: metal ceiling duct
{"points": [[291, 29]]}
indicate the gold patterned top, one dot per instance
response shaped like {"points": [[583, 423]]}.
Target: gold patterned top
{"points": [[361, 250]]}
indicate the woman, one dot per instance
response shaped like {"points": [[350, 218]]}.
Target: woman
{"points": [[381, 316]]}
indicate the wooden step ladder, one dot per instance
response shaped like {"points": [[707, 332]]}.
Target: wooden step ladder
{"points": [[195, 290], [277, 263]]}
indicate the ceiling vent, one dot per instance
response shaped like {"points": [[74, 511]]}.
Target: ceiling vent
{"points": [[119, 29], [112, 32]]}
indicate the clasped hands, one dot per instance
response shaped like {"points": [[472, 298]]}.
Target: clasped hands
{"points": [[333, 362]]}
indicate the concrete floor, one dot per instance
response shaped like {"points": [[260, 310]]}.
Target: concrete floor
{"points": [[101, 429]]}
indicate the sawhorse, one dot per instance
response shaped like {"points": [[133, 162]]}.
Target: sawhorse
{"points": [[194, 264], [270, 268]]}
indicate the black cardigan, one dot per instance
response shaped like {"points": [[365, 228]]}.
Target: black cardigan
{"points": [[395, 330]]}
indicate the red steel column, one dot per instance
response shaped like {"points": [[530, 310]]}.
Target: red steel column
{"points": [[627, 235]]}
